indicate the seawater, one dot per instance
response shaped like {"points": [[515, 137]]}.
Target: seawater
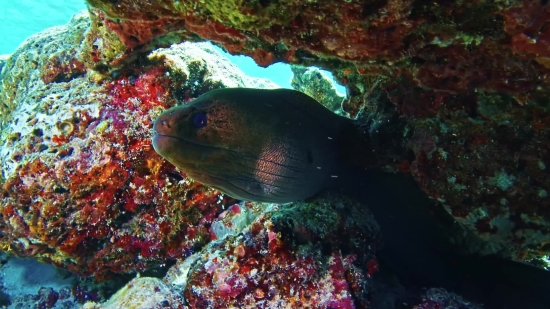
{"points": [[22, 18]]}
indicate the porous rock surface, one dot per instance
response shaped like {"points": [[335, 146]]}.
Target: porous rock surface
{"points": [[319, 86]]}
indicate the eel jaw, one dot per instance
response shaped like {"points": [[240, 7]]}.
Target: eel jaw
{"points": [[161, 143]]}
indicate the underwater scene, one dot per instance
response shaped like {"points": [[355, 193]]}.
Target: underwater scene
{"points": [[354, 154]]}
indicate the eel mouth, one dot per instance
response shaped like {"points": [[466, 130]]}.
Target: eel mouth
{"points": [[187, 154], [161, 142], [170, 146], [160, 139]]}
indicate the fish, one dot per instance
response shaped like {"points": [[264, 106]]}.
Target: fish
{"points": [[416, 233], [281, 146], [274, 146]]}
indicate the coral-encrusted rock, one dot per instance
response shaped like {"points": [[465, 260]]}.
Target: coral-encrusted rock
{"points": [[45, 298], [303, 255], [317, 85], [436, 298], [291, 256], [82, 187], [456, 92], [200, 63], [46, 56], [141, 293]]}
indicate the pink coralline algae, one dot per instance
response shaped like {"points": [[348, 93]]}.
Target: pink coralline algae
{"points": [[278, 261]]}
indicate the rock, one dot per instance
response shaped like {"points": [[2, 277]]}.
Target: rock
{"points": [[3, 59], [317, 85], [291, 255], [436, 298], [141, 293], [206, 68], [47, 56], [82, 187], [46, 298]]}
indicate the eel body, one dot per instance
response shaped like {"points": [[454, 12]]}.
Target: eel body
{"points": [[281, 146]]}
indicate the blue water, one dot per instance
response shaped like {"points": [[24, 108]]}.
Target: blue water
{"points": [[22, 18]]}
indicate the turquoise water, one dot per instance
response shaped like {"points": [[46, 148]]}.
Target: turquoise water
{"points": [[22, 18]]}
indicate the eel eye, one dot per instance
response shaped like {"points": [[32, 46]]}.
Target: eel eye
{"points": [[199, 120]]}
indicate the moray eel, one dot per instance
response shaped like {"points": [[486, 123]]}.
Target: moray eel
{"points": [[281, 145], [274, 146]]}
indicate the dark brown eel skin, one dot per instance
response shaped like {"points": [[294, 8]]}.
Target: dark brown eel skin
{"points": [[280, 146]]}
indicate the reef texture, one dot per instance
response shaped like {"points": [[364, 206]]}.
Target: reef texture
{"points": [[141, 293], [455, 92], [3, 59], [317, 85], [291, 256], [82, 187]]}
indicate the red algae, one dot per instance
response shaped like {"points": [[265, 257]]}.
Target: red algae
{"points": [[264, 265], [110, 205], [58, 70]]}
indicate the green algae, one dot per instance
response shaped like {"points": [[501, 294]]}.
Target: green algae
{"points": [[249, 15], [103, 41]]}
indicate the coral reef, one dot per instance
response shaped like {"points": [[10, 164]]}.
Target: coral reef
{"points": [[452, 93], [83, 189], [456, 92], [201, 64], [290, 256], [319, 254], [435, 298], [46, 298]]}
